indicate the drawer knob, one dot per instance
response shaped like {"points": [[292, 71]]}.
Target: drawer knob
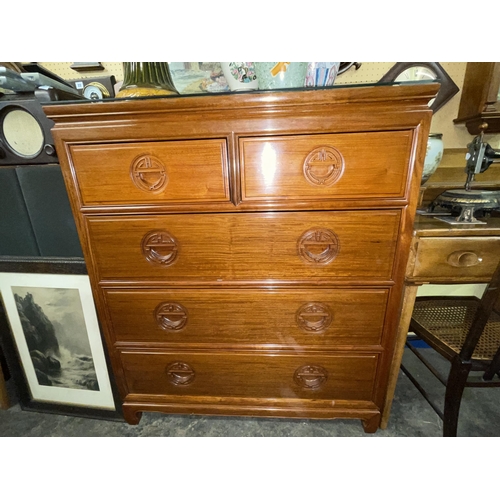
{"points": [[180, 373], [160, 247], [323, 166], [314, 317], [318, 246], [171, 316], [464, 259], [310, 376], [149, 174]]}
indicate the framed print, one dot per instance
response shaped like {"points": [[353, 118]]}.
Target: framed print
{"points": [[51, 338]]}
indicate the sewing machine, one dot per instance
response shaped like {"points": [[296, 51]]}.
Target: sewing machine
{"points": [[465, 205]]}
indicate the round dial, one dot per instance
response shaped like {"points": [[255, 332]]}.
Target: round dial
{"points": [[23, 133], [95, 91]]}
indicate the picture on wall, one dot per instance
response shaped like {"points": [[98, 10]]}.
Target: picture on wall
{"points": [[53, 337]]}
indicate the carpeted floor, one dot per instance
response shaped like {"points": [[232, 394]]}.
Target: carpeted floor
{"points": [[411, 416]]}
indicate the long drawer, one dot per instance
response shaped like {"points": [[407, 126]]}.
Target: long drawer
{"points": [[239, 374], [351, 245], [173, 172], [297, 317], [326, 166]]}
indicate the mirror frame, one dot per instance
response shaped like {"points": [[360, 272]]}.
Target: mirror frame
{"points": [[448, 87]]}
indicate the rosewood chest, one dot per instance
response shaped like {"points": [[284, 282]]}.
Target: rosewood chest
{"points": [[247, 251]]}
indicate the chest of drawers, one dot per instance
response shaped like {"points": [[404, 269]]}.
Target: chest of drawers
{"points": [[247, 252]]}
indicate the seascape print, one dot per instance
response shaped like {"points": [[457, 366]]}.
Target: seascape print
{"points": [[56, 335]]}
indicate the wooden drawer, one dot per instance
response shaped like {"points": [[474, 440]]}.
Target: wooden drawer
{"points": [[239, 374], [326, 166], [310, 317], [259, 246], [462, 258], [143, 173]]}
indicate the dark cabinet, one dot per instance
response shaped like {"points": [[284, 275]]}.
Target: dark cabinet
{"points": [[35, 214]]}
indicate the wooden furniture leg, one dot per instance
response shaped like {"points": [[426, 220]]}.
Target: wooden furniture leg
{"points": [[457, 379], [4, 398], [409, 296]]}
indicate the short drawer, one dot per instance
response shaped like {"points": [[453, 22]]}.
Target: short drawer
{"points": [[152, 172], [326, 166], [239, 374], [351, 245], [461, 258], [303, 317]]}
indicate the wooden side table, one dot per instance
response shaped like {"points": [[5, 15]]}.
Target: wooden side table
{"points": [[442, 254]]}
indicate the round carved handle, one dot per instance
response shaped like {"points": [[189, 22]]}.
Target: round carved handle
{"points": [[149, 174], [171, 316], [319, 246], [323, 166], [310, 376], [160, 247], [314, 317], [463, 258], [180, 373]]}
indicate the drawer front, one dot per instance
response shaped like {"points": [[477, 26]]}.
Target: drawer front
{"points": [[327, 166], [260, 246], [461, 258], [152, 172], [308, 317], [335, 376]]}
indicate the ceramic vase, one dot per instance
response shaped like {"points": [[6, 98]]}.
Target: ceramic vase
{"points": [[321, 74], [433, 156], [280, 75], [240, 75]]}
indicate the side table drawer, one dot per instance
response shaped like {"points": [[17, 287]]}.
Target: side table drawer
{"points": [[461, 258], [238, 374]]}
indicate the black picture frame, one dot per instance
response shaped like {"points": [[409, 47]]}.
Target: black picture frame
{"points": [[84, 384], [448, 86]]}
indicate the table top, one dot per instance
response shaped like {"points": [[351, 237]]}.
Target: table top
{"points": [[429, 226]]}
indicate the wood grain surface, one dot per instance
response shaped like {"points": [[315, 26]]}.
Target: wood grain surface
{"points": [[247, 247], [247, 251], [349, 376], [196, 171], [233, 317], [374, 165]]}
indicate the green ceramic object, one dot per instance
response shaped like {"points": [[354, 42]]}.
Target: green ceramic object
{"points": [[280, 75], [146, 78]]}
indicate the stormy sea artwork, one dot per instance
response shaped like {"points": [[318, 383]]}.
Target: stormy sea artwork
{"points": [[55, 331]]}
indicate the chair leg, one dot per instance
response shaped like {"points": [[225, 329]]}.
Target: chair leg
{"points": [[457, 378]]}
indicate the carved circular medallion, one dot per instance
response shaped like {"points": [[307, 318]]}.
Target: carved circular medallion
{"points": [[149, 174], [171, 316], [314, 317], [323, 166], [160, 247], [310, 376], [318, 246], [179, 373]]}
